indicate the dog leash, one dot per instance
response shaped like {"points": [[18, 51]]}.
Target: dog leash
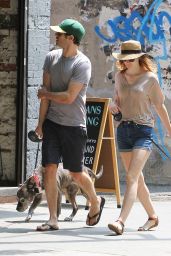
{"points": [[37, 154], [35, 175]]}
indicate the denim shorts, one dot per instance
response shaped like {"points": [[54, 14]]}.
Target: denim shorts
{"points": [[64, 144], [132, 136]]}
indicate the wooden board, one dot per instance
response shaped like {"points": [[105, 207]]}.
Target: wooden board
{"points": [[100, 147]]}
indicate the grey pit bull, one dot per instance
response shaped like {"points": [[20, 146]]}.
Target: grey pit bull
{"points": [[31, 191]]}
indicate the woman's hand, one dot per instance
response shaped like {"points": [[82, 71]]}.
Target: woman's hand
{"points": [[114, 108], [168, 134]]}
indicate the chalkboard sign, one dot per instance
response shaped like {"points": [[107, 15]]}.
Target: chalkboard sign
{"points": [[96, 113], [100, 146]]}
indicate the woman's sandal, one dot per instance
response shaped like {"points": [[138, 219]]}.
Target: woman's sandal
{"points": [[117, 227], [151, 223]]}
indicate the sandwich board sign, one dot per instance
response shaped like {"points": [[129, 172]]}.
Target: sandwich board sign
{"points": [[100, 146]]}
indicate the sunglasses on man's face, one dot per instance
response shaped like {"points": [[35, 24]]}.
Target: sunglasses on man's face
{"points": [[59, 34]]}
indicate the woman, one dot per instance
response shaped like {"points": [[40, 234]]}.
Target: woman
{"points": [[137, 93]]}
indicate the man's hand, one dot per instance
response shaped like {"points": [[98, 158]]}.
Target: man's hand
{"points": [[39, 131], [42, 93]]}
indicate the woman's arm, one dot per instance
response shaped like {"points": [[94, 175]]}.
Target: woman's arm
{"points": [[163, 114], [114, 105]]}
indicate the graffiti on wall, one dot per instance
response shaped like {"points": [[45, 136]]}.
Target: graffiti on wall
{"points": [[151, 25], [144, 20]]}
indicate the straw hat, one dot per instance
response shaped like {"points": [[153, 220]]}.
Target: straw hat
{"points": [[130, 49]]}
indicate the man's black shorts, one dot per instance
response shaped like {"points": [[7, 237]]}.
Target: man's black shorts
{"points": [[64, 144]]}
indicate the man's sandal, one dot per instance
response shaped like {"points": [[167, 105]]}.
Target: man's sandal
{"points": [[97, 215], [47, 227], [151, 223], [117, 227]]}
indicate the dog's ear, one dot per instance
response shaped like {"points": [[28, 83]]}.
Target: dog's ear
{"points": [[37, 190], [21, 186], [31, 179]]}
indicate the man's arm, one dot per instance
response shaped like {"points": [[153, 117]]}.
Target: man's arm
{"points": [[66, 97], [43, 105]]}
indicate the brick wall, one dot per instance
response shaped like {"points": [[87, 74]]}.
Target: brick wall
{"points": [[38, 46], [8, 85]]}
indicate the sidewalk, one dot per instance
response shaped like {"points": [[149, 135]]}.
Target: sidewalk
{"points": [[75, 238]]}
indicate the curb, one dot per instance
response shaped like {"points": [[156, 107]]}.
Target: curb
{"points": [[7, 199], [8, 194]]}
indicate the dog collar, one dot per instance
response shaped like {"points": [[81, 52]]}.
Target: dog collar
{"points": [[36, 179]]}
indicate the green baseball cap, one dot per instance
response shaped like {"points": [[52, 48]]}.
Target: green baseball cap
{"points": [[71, 27]]}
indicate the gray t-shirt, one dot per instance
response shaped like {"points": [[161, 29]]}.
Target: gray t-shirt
{"points": [[62, 71]]}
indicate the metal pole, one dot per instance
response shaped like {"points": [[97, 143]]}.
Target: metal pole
{"points": [[21, 93]]}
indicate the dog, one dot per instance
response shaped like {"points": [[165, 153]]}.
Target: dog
{"points": [[31, 191]]}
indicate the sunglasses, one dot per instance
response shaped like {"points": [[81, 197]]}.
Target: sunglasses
{"points": [[59, 34], [131, 60]]}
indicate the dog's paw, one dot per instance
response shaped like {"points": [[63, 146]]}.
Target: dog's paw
{"points": [[87, 207], [68, 219], [28, 218]]}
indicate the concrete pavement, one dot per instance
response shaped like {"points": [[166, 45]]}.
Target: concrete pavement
{"points": [[75, 238]]}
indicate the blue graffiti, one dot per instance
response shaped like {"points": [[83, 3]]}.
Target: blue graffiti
{"points": [[159, 39], [156, 22], [150, 30], [121, 27]]}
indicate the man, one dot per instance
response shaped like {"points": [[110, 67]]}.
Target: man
{"points": [[62, 118]]}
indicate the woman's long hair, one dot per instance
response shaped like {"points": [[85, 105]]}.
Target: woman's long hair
{"points": [[145, 61]]}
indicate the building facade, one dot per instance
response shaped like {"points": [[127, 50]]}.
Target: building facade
{"points": [[25, 39]]}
